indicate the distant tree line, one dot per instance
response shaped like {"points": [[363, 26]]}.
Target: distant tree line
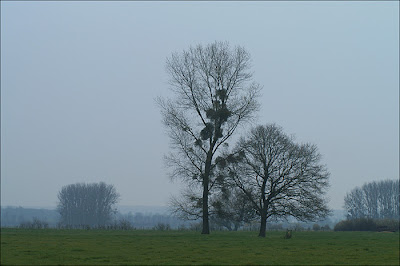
{"points": [[368, 224], [15, 216], [44, 218], [34, 224], [140, 220], [372, 207], [376, 200]]}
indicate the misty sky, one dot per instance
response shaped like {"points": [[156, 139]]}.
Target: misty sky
{"points": [[79, 82]]}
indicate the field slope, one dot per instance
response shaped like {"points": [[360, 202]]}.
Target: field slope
{"points": [[95, 247]]}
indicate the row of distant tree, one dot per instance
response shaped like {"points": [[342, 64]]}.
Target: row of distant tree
{"points": [[375, 200], [101, 199], [41, 218], [93, 205], [15, 216], [45, 218]]}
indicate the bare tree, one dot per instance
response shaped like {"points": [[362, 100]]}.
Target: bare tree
{"points": [[378, 200], [279, 177], [354, 204], [214, 94], [389, 199], [83, 204]]}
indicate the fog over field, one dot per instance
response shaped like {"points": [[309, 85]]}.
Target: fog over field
{"points": [[79, 82]]}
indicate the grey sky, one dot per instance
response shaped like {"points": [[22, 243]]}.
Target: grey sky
{"points": [[78, 82]]}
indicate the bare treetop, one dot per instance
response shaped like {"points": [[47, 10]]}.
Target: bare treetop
{"points": [[210, 83]]}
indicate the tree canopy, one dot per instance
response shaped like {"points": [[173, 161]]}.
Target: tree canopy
{"points": [[280, 177]]}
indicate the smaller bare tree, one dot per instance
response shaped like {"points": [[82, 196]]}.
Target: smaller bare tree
{"points": [[87, 205], [355, 204], [278, 176]]}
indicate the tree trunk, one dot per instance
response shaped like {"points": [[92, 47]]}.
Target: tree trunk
{"points": [[237, 225], [263, 225], [206, 180], [206, 225]]}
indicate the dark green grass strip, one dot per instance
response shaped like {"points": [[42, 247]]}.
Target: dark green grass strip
{"points": [[81, 247]]}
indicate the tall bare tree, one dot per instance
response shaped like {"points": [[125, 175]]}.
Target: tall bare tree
{"points": [[214, 94], [279, 177], [83, 204]]}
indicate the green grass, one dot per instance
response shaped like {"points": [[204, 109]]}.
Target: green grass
{"points": [[95, 247]]}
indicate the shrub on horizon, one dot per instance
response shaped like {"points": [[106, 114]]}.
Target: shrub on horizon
{"points": [[360, 224]]}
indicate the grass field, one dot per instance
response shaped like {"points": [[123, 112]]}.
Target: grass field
{"points": [[95, 247]]}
